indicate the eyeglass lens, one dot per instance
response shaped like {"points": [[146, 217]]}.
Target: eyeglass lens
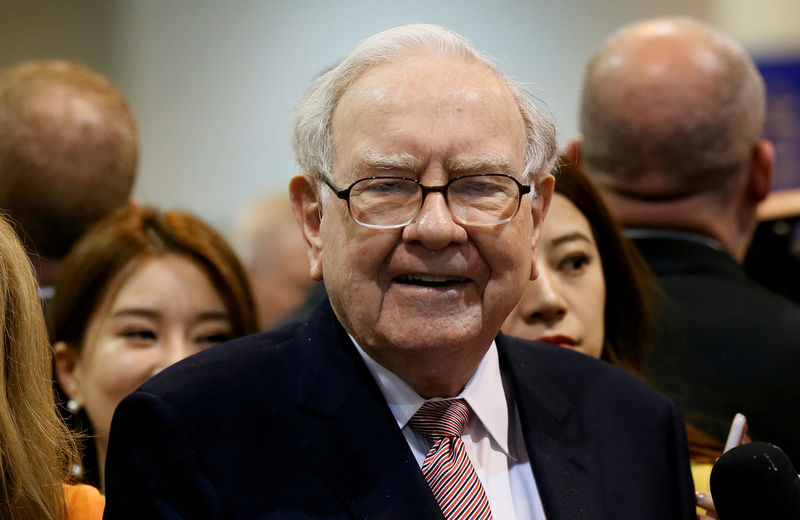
{"points": [[478, 200]]}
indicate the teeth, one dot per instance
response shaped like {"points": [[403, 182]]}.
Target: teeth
{"points": [[429, 278]]}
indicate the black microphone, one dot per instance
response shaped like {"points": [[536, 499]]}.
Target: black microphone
{"points": [[755, 480]]}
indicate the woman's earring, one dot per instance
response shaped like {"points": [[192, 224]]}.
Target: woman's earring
{"points": [[73, 406]]}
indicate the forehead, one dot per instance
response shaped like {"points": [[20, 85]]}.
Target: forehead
{"points": [[430, 108], [154, 280], [149, 275], [563, 218]]}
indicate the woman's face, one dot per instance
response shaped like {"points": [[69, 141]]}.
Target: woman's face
{"points": [[163, 311], [565, 305]]}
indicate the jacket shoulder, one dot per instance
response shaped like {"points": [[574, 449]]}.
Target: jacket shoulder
{"points": [[579, 377]]}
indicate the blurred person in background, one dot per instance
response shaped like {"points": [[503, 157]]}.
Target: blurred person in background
{"points": [[140, 291], [273, 252], [36, 448], [672, 116], [594, 293], [68, 157]]}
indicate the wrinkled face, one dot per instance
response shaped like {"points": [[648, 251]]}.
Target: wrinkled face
{"points": [[166, 310], [433, 287], [566, 304]]}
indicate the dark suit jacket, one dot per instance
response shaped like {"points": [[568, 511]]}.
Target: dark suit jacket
{"points": [[724, 344], [291, 424]]}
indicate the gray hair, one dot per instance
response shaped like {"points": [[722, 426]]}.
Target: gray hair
{"points": [[697, 148], [311, 137]]}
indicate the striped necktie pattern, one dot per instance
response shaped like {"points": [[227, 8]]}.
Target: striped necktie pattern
{"points": [[447, 467]]}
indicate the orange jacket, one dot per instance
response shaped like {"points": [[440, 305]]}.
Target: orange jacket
{"points": [[84, 502]]}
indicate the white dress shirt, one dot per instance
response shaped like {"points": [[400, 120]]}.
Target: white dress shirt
{"points": [[493, 435]]}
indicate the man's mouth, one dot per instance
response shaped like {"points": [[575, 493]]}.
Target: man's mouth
{"points": [[429, 280]]}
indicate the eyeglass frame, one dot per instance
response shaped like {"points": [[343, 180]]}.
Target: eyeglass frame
{"points": [[344, 194]]}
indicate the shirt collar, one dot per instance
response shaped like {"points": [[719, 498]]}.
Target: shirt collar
{"points": [[483, 392]]}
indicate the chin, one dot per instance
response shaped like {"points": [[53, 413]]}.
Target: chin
{"points": [[442, 335]]}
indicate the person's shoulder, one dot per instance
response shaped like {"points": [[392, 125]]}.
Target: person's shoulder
{"points": [[738, 302], [580, 377], [83, 502], [274, 365], [776, 301], [230, 364], [710, 291], [561, 359]]}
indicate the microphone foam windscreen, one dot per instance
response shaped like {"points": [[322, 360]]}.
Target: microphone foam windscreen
{"points": [[755, 480]]}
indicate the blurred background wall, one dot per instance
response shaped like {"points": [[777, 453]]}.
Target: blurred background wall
{"points": [[213, 84]]}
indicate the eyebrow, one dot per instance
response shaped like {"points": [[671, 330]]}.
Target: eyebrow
{"points": [[570, 237], [144, 313], [149, 313], [373, 160], [489, 163]]}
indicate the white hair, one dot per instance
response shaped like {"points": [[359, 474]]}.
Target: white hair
{"points": [[311, 137]]}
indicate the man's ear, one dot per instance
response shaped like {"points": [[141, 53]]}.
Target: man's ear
{"points": [[573, 151], [308, 212], [67, 363], [539, 207], [761, 167]]}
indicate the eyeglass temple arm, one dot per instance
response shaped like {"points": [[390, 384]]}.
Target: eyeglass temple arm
{"points": [[342, 194]]}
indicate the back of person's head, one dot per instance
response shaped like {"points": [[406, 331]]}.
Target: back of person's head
{"points": [[629, 288], [273, 251], [35, 447], [671, 108], [311, 137], [112, 249], [68, 152]]}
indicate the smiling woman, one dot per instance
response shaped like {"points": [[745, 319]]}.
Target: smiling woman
{"points": [[142, 290]]}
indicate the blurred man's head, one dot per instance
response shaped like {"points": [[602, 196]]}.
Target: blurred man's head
{"points": [[422, 281], [68, 152], [273, 251], [673, 110]]}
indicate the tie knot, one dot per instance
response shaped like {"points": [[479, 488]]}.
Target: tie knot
{"points": [[437, 419]]}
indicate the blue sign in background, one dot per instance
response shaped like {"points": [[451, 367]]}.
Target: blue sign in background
{"points": [[782, 77]]}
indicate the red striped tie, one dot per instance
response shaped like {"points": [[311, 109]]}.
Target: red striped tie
{"points": [[447, 468]]}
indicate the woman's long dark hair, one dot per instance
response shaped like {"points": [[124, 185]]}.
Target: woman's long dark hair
{"points": [[629, 284]]}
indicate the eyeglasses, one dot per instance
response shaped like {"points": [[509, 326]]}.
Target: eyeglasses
{"points": [[485, 199]]}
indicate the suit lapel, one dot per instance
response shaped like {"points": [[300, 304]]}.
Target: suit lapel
{"points": [[356, 447], [564, 470]]}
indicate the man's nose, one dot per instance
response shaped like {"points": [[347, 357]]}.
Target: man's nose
{"points": [[434, 225], [546, 304]]}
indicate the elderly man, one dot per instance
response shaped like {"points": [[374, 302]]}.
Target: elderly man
{"points": [[68, 155], [672, 117], [426, 178]]}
